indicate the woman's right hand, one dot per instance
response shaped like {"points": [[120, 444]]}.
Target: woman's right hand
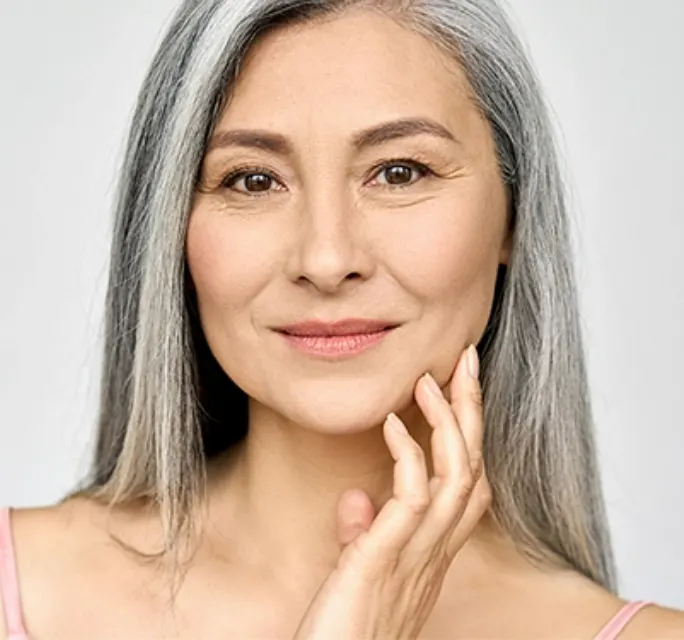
{"points": [[391, 569]]}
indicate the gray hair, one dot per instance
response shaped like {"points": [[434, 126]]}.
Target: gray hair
{"points": [[166, 407]]}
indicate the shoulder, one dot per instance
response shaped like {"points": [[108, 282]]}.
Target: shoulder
{"points": [[24, 524], [45, 535], [569, 601], [655, 622], [583, 599], [61, 551], [44, 539]]}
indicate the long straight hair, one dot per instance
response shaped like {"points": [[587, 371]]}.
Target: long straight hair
{"points": [[167, 408]]}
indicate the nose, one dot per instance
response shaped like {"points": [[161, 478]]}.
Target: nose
{"points": [[331, 250]]}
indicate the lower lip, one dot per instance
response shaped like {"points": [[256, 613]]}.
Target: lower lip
{"points": [[336, 346]]}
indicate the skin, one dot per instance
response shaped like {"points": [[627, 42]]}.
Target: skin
{"points": [[330, 239]]}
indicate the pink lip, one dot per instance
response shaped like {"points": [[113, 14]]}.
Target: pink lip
{"points": [[346, 327], [336, 346]]}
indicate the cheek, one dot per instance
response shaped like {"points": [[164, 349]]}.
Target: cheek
{"points": [[449, 254], [228, 267]]}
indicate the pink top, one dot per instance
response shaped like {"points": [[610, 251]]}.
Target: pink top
{"points": [[9, 584], [9, 592]]}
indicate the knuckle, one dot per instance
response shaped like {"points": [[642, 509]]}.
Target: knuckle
{"points": [[477, 464], [417, 505], [466, 485], [484, 495], [366, 564], [475, 395]]}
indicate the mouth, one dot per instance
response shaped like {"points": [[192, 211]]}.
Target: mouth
{"points": [[336, 340], [345, 327]]}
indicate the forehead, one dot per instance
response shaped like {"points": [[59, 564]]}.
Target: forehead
{"points": [[350, 70]]}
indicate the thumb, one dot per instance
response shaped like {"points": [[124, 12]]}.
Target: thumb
{"points": [[355, 513]]}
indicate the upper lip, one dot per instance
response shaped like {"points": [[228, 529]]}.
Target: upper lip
{"points": [[345, 327]]}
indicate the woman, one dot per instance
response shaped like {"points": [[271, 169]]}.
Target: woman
{"points": [[322, 206]]}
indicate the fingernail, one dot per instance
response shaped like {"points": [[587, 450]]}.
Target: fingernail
{"points": [[473, 362], [432, 385], [396, 424]]}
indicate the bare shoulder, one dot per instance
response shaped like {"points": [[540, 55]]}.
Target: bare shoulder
{"points": [[566, 600], [655, 622], [585, 599], [44, 535], [61, 551], [29, 526], [36, 534], [45, 540]]}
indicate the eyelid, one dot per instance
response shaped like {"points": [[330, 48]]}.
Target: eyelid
{"points": [[423, 168]]}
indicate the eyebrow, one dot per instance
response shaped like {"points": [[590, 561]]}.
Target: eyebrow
{"points": [[371, 137]]}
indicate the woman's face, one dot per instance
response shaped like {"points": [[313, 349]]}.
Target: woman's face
{"points": [[317, 203]]}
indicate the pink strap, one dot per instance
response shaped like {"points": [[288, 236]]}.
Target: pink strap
{"points": [[9, 584], [619, 621]]}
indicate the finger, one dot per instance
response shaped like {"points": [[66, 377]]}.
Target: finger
{"points": [[355, 514], [398, 519], [477, 506], [448, 447], [453, 480], [467, 402]]}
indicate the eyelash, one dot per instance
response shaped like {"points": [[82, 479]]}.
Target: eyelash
{"points": [[424, 170]]}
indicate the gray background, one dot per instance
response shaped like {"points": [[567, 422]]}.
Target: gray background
{"points": [[69, 73]]}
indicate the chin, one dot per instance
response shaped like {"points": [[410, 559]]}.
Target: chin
{"points": [[329, 407]]}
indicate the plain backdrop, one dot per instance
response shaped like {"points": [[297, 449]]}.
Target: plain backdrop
{"points": [[613, 72]]}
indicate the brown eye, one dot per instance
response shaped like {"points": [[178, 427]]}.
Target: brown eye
{"points": [[250, 180], [253, 182], [398, 174], [402, 174]]}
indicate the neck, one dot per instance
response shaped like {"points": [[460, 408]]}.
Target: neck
{"points": [[273, 498]]}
